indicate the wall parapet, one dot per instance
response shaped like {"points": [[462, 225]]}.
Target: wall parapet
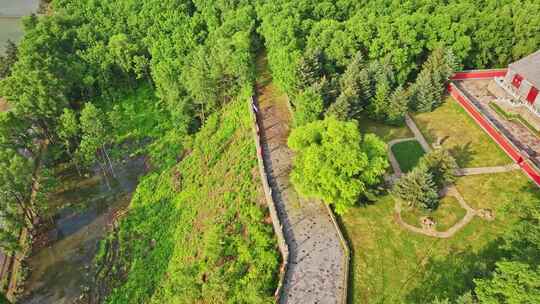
{"points": [[278, 227]]}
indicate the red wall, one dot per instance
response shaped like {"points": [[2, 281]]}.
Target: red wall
{"points": [[479, 74], [494, 134]]}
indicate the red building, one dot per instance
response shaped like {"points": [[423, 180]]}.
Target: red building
{"points": [[522, 82]]}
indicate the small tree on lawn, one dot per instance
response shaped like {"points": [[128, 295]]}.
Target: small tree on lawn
{"points": [[441, 165], [417, 189], [334, 162]]}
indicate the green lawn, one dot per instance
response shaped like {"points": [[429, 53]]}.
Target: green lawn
{"points": [[392, 265], [445, 216], [407, 153], [384, 131], [461, 135]]}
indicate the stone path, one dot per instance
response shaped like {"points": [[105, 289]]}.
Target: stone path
{"points": [[451, 190], [486, 170], [458, 172], [417, 134], [317, 269]]}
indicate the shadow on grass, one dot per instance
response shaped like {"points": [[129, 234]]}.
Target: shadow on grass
{"points": [[463, 154], [453, 276], [350, 275]]}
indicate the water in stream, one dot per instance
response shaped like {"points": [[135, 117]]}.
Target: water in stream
{"points": [[59, 273]]}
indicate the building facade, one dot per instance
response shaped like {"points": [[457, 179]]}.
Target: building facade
{"points": [[521, 83]]}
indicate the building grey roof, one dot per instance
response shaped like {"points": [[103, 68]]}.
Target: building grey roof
{"points": [[529, 68]]}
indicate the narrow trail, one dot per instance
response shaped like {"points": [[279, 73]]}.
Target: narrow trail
{"points": [[317, 270], [450, 190]]}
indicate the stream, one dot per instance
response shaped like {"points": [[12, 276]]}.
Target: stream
{"points": [[60, 272]]}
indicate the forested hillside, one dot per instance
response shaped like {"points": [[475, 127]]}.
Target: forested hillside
{"points": [[96, 81], [356, 58], [93, 82]]}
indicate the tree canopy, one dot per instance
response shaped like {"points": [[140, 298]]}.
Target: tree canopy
{"points": [[334, 162]]}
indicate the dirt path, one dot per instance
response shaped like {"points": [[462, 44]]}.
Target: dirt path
{"points": [[317, 266], [451, 191]]}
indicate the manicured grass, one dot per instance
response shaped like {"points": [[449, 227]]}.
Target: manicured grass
{"points": [[458, 132], [408, 153], [478, 189], [445, 216], [384, 131], [393, 265]]}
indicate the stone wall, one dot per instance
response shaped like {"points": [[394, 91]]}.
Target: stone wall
{"points": [[278, 228]]}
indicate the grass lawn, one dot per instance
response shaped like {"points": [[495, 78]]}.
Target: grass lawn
{"points": [[393, 265], [384, 131], [407, 153], [461, 135], [445, 216]]}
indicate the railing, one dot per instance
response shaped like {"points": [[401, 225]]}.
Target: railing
{"points": [[278, 228], [346, 255]]}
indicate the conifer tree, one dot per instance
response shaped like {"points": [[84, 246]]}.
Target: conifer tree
{"points": [[310, 69], [417, 189], [397, 106]]}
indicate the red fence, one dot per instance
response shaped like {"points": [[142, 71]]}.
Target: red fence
{"points": [[479, 74], [500, 139]]}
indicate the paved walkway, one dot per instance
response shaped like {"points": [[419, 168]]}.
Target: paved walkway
{"points": [[317, 266], [451, 190], [486, 170], [527, 142], [417, 134]]}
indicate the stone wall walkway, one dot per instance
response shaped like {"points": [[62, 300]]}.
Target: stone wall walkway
{"points": [[317, 269]]}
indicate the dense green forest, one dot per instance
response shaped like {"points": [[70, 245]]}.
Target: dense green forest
{"points": [[93, 81]]}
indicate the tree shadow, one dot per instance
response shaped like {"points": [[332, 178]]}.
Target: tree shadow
{"points": [[453, 275], [350, 275], [463, 154]]}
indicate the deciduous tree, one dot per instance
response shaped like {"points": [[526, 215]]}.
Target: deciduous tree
{"points": [[334, 162]]}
